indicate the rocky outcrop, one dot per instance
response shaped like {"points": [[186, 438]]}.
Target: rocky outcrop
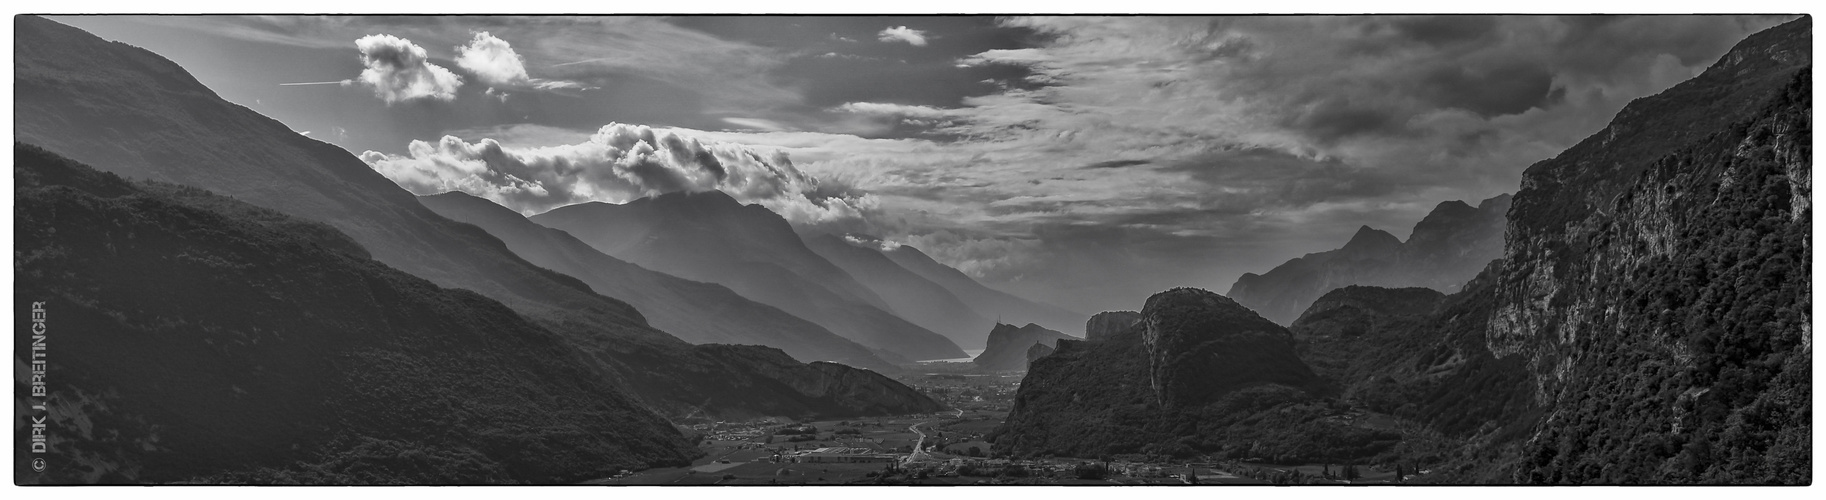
{"points": [[1655, 281], [1198, 375], [1038, 351], [1202, 345], [1446, 249], [1108, 323], [1354, 310], [1008, 346]]}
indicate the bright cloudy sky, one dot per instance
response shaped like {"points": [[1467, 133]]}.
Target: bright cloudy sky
{"points": [[1083, 161]]}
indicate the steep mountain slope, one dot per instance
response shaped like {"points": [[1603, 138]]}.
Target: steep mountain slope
{"points": [[1008, 345], [198, 337], [128, 111], [700, 313], [988, 302], [1109, 323], [908, 295], [1417, 354], [711, 237], [1666, 260], [1198, 375], [1446, 249]]}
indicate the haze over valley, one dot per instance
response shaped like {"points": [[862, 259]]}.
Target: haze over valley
{"points": [[745, 250]]}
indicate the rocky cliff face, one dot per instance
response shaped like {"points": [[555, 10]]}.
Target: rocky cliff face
{"points": [[1202, 345], [1038, 351], [1446, 249], [1008, 346], [1108, 323], [1198, 375], [1666, 259]]}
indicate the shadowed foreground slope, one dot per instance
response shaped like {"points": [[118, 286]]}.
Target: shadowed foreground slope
{"points": [[198, 337]]}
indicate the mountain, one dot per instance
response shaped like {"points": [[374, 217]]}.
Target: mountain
{"points": [[1419, 357], [711, 237], [1035, 352], [1648, 322], [988, 302], [700, 313], [128, 111], [907, 294], [1446, 249], [1656, 282], [1198, 375], [193, 337], [1007, 346], [1108, 323]]}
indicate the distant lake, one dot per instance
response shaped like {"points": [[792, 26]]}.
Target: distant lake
{"points": [[972, 352]]}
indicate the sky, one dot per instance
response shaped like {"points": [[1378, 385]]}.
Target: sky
{"points": [[1088, 162]]}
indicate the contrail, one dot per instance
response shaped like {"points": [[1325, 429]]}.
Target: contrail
{"points": [[343, 82], [580, 62]]}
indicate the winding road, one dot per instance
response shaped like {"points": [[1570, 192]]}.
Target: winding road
{"points": [[919, 451]]}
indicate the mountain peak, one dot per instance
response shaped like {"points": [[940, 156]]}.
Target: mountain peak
{"points": [[1371, 239]]}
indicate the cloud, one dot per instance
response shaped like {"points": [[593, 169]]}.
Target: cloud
{"points": [[1137, 152], [398, 71], [875, 108], [916, 38], [620, 163], [495, 63]]}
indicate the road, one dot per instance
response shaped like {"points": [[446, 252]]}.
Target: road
{"points": [[919, 447]]}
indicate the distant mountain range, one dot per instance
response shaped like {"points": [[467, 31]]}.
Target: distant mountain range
{"points": [[1008, 346], [700, 313], [711, 237], [128, 111], [989, 303], [1446, 249], [907, 294]]}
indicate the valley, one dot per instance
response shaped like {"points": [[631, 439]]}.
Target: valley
{"points": [[1010, 289]]}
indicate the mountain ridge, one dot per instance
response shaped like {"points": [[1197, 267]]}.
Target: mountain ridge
{"points": [[696, 312], [710, 237], [1447, 247]]}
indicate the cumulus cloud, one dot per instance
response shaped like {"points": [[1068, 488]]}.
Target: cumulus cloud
{"points": [[398, 70], [495, 63], [916, 38], [620, 163]]}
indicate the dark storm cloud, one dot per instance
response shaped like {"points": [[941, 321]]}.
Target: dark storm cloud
{"points": [[1506, 88], [1445, 30], [1264, 178]]}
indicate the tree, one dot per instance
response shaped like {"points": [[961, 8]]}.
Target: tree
{"points": [[1093, 471]]}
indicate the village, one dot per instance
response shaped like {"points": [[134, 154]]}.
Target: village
{"points": [[947, 448]]}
